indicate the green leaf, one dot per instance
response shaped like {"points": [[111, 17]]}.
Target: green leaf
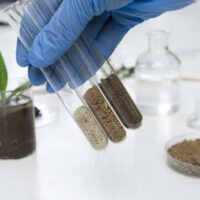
{"points": [[125, 72], [3, 74], [18, 91]]}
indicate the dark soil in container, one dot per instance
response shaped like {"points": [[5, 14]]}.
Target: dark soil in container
{"points": [[17, 132]]}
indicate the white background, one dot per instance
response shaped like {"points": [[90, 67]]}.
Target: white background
{"points": [[65, 167]]}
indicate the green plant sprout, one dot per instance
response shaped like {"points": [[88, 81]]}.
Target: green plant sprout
{"points": [[4, 82], [125, 72]]}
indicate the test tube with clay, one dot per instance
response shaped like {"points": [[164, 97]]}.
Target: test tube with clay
{"points": [[109, 83]]}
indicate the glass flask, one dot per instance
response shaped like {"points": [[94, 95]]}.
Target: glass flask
{"points": [[157, 75]]}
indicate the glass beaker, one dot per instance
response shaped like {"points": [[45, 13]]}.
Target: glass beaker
{"points": [[17, 131], [157, 74]]}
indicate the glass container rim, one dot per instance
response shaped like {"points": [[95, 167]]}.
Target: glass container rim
{"points": [[7, 94]]}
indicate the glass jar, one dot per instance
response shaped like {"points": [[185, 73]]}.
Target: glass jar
{"points": [[157, 75], [17, 131]]}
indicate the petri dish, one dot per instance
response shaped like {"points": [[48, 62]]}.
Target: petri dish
{"points": [[178, 165]]}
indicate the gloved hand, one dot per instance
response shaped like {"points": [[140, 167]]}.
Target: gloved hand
{"points": [[106, 21]]}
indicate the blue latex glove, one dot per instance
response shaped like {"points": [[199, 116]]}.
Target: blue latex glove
{"points": [[106, 21]]}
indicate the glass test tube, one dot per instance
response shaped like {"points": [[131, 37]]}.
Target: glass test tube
{"points": [[89, 91], [109, 83], [105, 78]]}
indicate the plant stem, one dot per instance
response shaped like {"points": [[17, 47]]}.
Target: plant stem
{"points": [[18, 91], [3, 96]]}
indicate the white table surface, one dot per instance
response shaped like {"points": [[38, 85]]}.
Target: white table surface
{"points": [[65, 167]]}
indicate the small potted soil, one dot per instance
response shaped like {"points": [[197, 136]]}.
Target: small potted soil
{"points": [[17, 132]]}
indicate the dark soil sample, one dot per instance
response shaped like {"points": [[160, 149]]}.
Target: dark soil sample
{"points": [[104, 115], [37, 112], [17, 132], [185, 157], [121, 101]]}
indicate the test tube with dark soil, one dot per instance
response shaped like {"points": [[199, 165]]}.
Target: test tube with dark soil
{"points": [[121, 101], [104, 114], [110, 84], [17, 132]]}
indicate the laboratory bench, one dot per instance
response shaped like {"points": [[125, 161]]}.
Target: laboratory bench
{"points": [[65, 167]]}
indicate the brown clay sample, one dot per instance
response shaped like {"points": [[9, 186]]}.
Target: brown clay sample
{"points": [[187, 151], [104, 114], [121, 101], [185, 157]]}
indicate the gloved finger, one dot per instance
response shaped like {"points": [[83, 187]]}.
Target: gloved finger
{"points": [[38, 11], [87, 54], [60, 33], [56, 78], [65, 27], [72, 67], [110, 36], [21, 54], [130, 16], [96, 24], [56, 87], [108, 5], [35, 76], [133, 14], [160, 5], [141, 10], [53, 4]]}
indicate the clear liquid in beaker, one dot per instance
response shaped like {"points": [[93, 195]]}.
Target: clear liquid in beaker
{"points": [[157, 97]]}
